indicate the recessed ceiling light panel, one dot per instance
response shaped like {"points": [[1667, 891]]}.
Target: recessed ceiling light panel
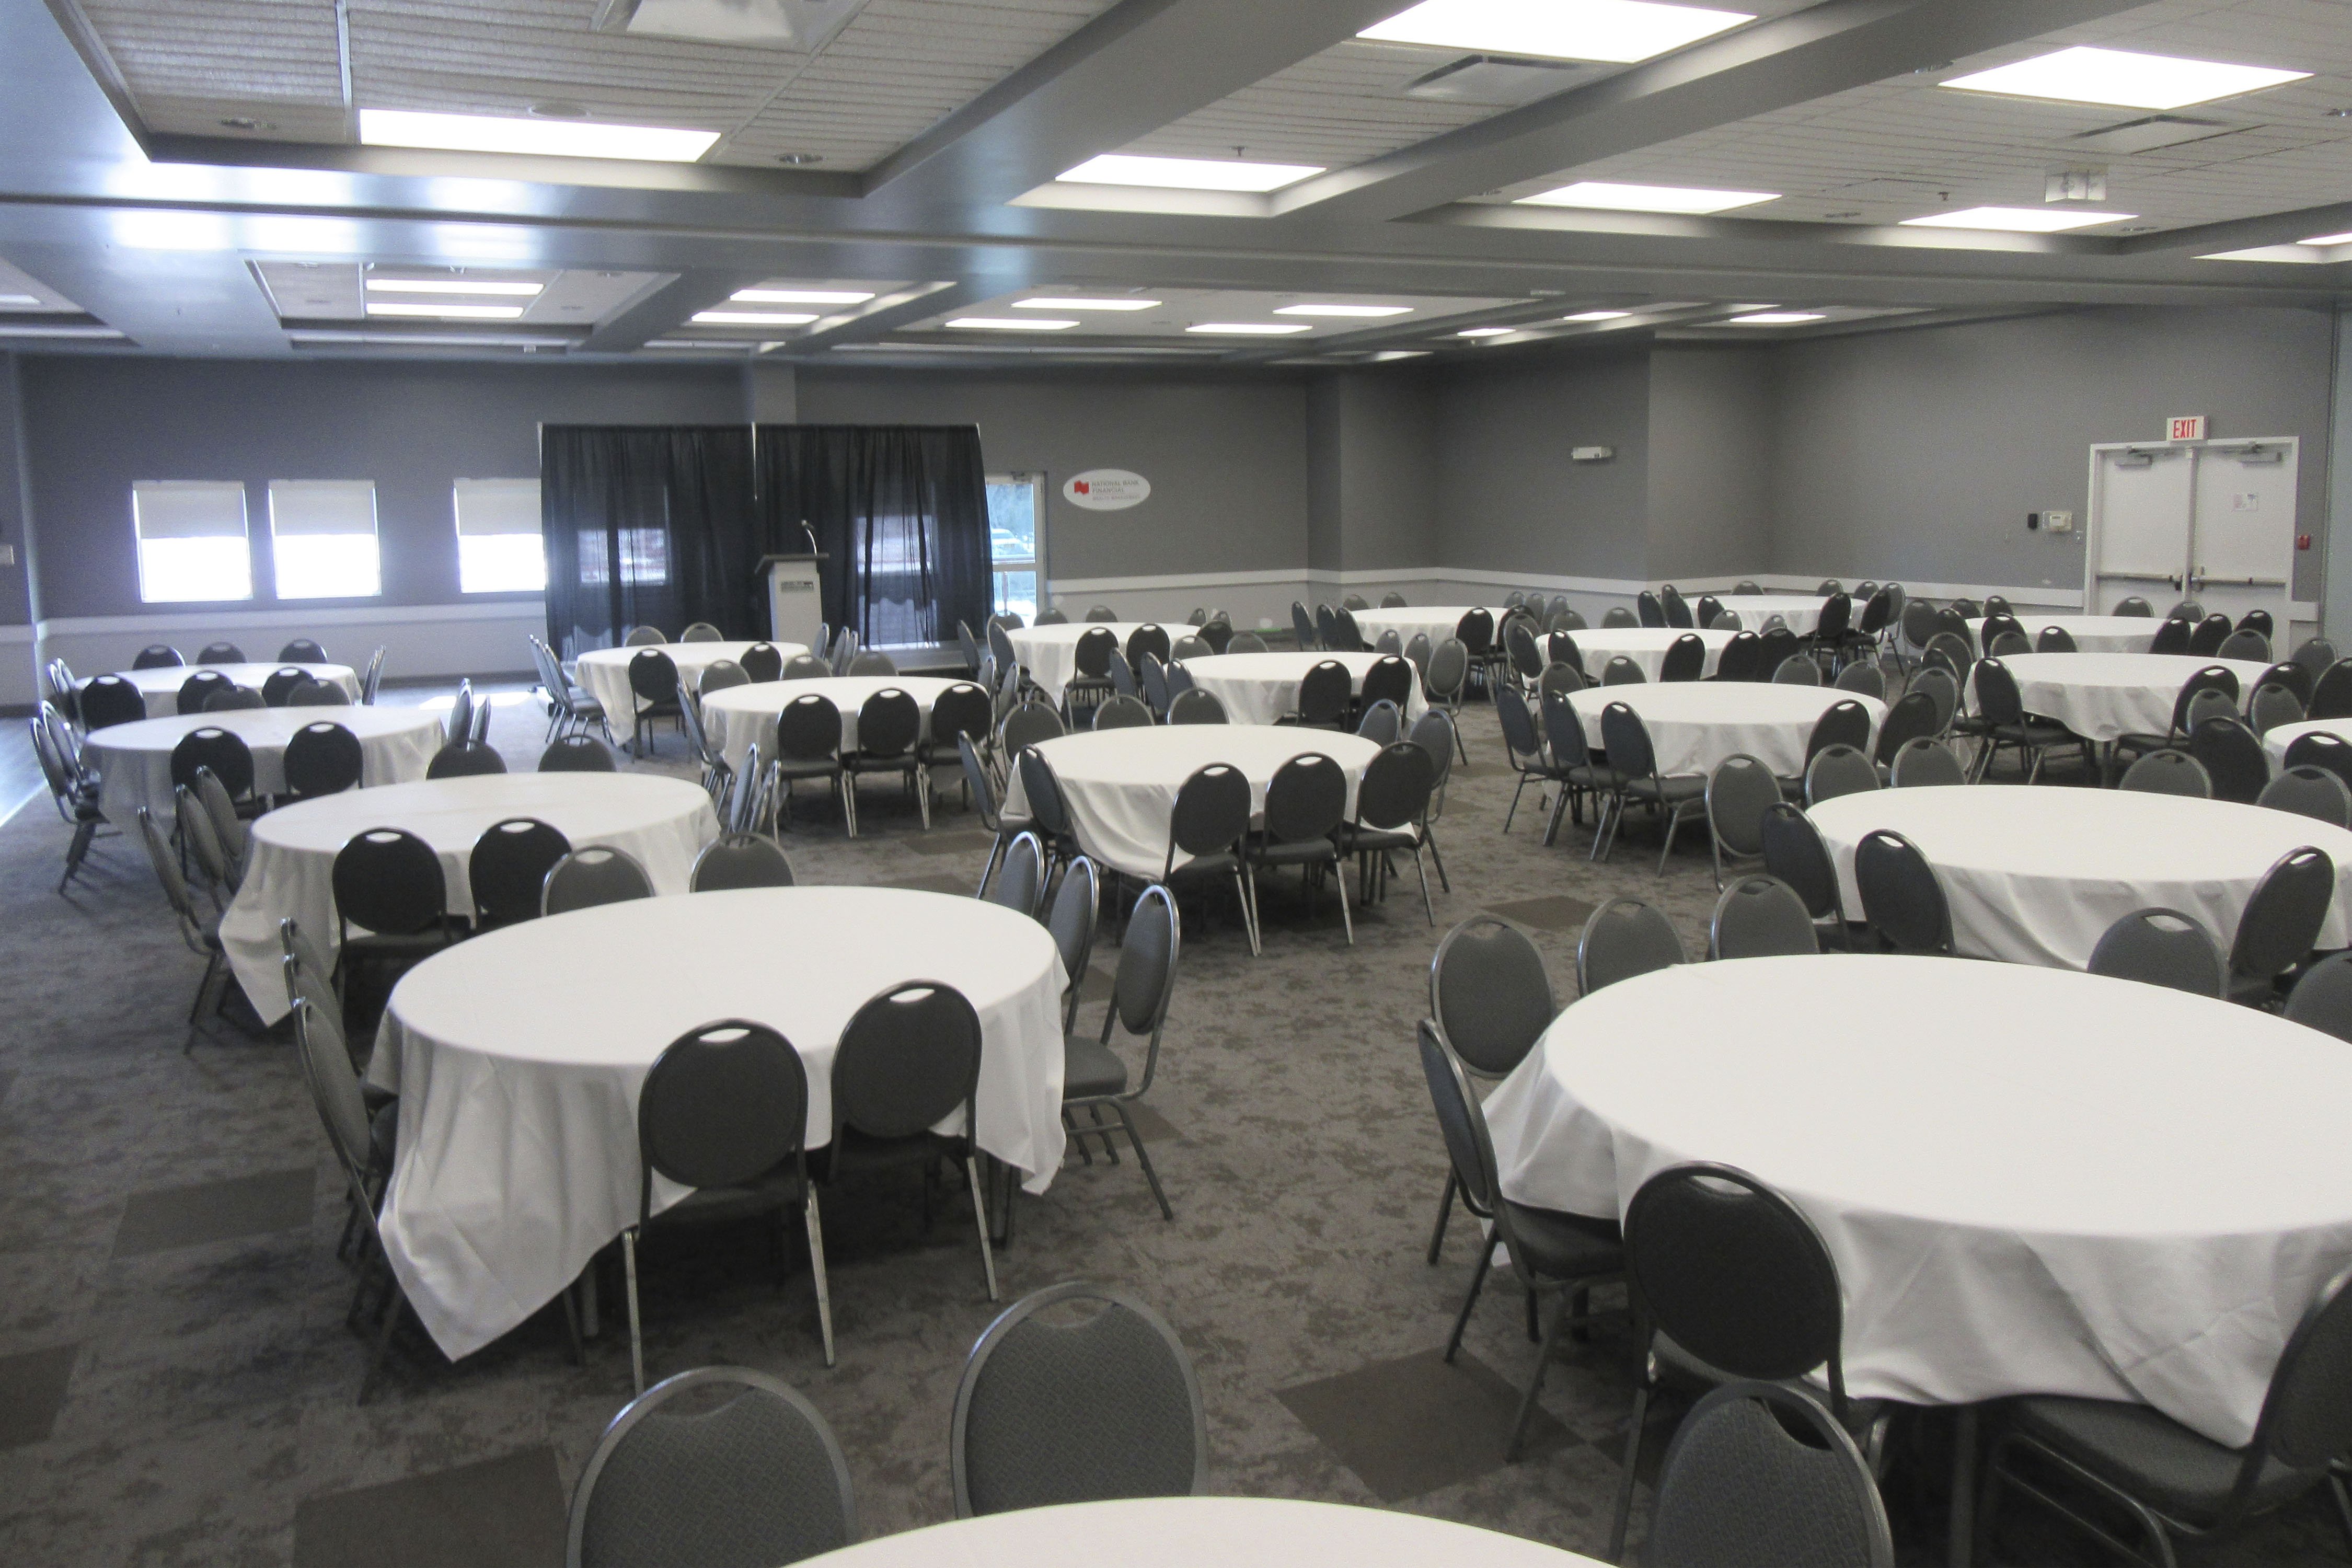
{"points": [[1621, 31], [544, 138], [1081, 302], [2316, 239], [1777, 318], [1250, 329], [1607, 196], [12, 300], [1187, 173], [1485, 331], [2016, 220], [451, 286], [801, 296], [753, 318], [444, 312], [2123, 77], [1012, 323], [1363, 310], [1598, 316]]}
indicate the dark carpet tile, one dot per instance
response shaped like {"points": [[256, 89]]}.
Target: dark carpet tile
{"points": [[936, 843], [499, 1513], [32, 1391], [192, 1215], [1557, 912], [1415, 1424]]}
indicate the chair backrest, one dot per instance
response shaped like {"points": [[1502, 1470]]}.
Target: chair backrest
{"points": [[1842, 724], [1382, 723], [2160, 947], [230, 698], [1449, 667], [1307, 798], [1031, 723], [2313, 656], [2310, 791], [1303, 626], [223, 750], [1621, 670], [1489, 994], [722, 1106], [2306, 1419], [157, 655], [2331, 694], [1685, 658], [765, 661], [508, 867], [1434, 733], [2133, 606], [740, 861], [719, 675], [1044, 792], [1476, 631], [1649, 608], [644, 636], [1797, 670], [1517, 726], [1058, 1408], [1618, 615], [1739, 792], [1624, 938], [279, 683], [2291, 675], [199, 688], [808, 729], [1760, 1473], [1625, 740], [1839, 770], [1559, 677], [1016, 884], [2172, 636], [2168, 772], [1323, 692], [1195, 706], [2233, 756], [578, 754], [598, 873], [1912, 716], [327, 694], [1742, 658], [760, 1478], [1926, 762], [2322, 999], [1562, 647], [2281, 922], [653, 677], [2246, 644], [389, 880], [1794, 852], [2006, 643], [324, 758], [1396, 785], [110, 700], [887, 723], [1941, 687], [1867, 679], [1250, 642], [1212, 810], [2321, 749], [1760, 917], [907, 1058], [1734, 1274], [1071, 916], [1901, 898], [2272, 705], [1100, 613], [465, 759], [221, 653], [2211, 632]]}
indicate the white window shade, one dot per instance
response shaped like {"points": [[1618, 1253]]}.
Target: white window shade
{"points": [[192, 540], [498, 549], [323, 537]]}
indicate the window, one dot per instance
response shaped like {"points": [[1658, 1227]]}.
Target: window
{"points": [[1015, 501], [498, 549], [323, 537], [192, 544]]}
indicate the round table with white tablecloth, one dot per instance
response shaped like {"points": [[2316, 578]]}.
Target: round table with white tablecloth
{"points": [[290, 861], [1435, 621], [1802, 612], [2282, 736], [736, 716], [160, 686], [1693, 725], [1187, 1532], [1050, 654], [2091, 634], [603, 673], [1645, 646], [1263, 688], [519, 1081], [2100, 696], [2036, 876], [2032, 1181], [1121, 784], [134, 761]]}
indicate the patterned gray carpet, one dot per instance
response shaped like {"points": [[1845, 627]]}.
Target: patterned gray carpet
{"points": [[176, 1382]]}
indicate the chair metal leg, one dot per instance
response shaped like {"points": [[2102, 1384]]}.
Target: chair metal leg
{"points": [[1477, 1283], [980, 1215], [1622, 1513], [1143, 1158], [1444, 881], [1552, 823], [1340, 884], [636, 1339], [1444, 1212], [1535, 1384], [2343, 1502], [1422, 872], [1961, 1547], [816, 1272], [1673, 826], [988, 872], [393, 1309], [1249, 919], [1515, 801]]}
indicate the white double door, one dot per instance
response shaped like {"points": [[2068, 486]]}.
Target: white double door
{"points": [[2209, 521]]}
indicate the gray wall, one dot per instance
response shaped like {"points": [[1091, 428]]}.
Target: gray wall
{"points": [[1326, 461], [16, 582], [1916, 454], [95, 424], [1508, 497], [1388, 470], [1226, 456], [1711, 460]]}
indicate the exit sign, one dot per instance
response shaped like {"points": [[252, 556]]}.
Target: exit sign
{"points": [[2185, 427]]}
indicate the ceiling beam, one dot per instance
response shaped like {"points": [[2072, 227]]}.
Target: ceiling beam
{"points": [[2245, 234], [1138, 67], [1774, 65], [663, 310], [873, 325]]}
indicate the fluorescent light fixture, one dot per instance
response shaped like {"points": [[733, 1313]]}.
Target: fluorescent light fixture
{"points": [[28, 330], [1776, 319], [753, 318], [448, 285], [1010, 323], [1485, 331], [1621, 31], [1609, 198], [1598, 316], [1187, 173], [1385, 356], [1083, 302], [1367, 311], [13, 299], [2016, 220], [2123, 78], [801, 296], [444, 312], [544, 138], [2316, 239], [1250, 329]]}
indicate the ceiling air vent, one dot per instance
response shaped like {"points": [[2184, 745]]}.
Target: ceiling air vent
{"points": [[802, 24], [1496, 79]]}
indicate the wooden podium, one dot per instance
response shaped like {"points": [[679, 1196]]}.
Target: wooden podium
{"points": [[795, 599]]}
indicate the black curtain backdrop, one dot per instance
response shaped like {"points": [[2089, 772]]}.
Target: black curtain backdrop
{"points": [[900, 510], [647, 525]]}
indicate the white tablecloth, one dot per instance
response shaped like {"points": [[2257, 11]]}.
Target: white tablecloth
{"points": [[2100, 696], [1645, 646], [1436, 622], [664, 821], [1693, 726], [160, 687], [2032, 1182], [1187, 1533], [2091, 634], [1263, 688], [739, 715], [1121, 784], [134, 761], [2037, 876], [1802, 611], [1050, 654], [518, 1083], [2285, 735], [603, 673]]}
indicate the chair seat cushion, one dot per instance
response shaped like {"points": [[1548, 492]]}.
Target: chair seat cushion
{"points": [[778, 1187], [1673, 789], [384, 944], [2033, 733], [1091, 1070], [857, 763], [806, 767], [854, 1150], [1215, 863], [2151, 1456], [1561, 1245], [1355, 840], [1305, 852]]}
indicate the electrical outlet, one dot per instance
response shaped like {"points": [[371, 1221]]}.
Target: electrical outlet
{"points": [[2058, 522], [7, 555]]}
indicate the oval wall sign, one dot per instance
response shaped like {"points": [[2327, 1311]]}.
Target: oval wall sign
{"points": [[1105, 490]]}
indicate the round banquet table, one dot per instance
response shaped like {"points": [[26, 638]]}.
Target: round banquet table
{"points": [[519, 1084], [160, 687], [2100, 696], [1645, 646], [2091, 634], [2285, 735], [603, 673], [2036, 876], [290, 860], [1802, 612], [1694, 726], [738, 715], [1186, 1531], [1263, 688], [134, 761], [1436, 622], [1121, 784], [2032, 1182], [1050, 654]]}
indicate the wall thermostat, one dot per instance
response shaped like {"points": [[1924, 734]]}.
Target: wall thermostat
{"points": [[1590, 453]]}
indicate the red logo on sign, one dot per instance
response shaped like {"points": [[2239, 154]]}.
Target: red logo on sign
{"points": [[1081, 487]]}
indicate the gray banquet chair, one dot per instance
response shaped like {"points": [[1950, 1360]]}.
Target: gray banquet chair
{"points": [[1739, 792], [1838, 770], [1194, 706], [1624, 938], [2160, 947], [1903, 900], [1760, 916], [2322, 999], [1760, 1473], [735, 860], [1094, 1078], [596, 874], [1925, 760], [2281, 922], [1076, 1394], [1490, 1000], [2309, 791], [2168, 772], [1018, 879]]}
